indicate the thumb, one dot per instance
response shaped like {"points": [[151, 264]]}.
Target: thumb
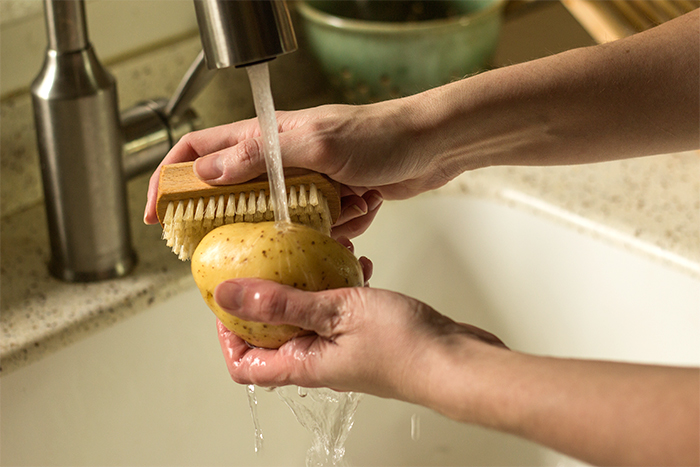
{"points": [[246, 160], [235, 164], [269, 302]]}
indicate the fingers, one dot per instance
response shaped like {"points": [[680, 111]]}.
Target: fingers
{"points": [[295, 362], [194, 145], [357, 213], [367, 269], [244, 160], [266, 367], [228, 154], [273, 303], [231, 165]]}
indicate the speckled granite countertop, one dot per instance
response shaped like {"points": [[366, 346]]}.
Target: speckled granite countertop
{"points": [[650, 206], [41, 314]]}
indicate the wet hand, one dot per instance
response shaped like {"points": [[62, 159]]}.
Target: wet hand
{"points": [[364, 339]]}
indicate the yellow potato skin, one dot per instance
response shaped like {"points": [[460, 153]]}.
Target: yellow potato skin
{"points": [[294, 255]]}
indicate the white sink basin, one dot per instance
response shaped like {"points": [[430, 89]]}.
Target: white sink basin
{"points": [[153, 390]]}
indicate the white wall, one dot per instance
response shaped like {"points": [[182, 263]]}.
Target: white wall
{"points": [[115, 27]]}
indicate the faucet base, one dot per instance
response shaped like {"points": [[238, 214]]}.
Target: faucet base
{"points": [[119, 269]]}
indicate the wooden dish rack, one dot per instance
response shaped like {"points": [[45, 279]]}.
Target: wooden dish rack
{"points": [[610, 20]]}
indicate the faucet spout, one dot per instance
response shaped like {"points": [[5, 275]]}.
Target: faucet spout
{"points": [[244, 32]]}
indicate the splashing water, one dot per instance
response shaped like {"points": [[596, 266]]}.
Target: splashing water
{"points": [[259, 76], [328, 415]]}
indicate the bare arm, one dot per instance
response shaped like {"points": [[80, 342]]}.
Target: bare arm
{"points": [[606, 413], [634, 97]]}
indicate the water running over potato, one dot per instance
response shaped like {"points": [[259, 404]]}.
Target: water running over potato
{"points": [[328, 415]]}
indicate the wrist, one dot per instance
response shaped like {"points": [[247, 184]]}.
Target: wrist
{"points": [[460, 378]]}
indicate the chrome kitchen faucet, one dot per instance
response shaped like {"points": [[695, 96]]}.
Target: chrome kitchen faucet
{"points": [[88, 149]]}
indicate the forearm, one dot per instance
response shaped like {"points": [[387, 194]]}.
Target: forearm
{"points": [[634, 97], [601, 412]]}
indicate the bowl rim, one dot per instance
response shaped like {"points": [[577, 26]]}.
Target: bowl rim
{"points": [[357, 25]]}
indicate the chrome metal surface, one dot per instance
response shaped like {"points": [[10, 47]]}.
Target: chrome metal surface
{"points": [[87, 151], [149, 133], [80, 148], [195, 80], [243, 32], [65, 23]]}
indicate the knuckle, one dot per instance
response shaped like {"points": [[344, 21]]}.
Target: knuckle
{"points": [[271, 304], [248, 151], [186, 142], [244, 158]]}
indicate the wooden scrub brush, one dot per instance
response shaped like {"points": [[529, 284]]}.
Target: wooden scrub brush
{"points": [[189, 208]]}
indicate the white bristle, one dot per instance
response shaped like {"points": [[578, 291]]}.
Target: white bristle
{"points": [[269, 212], [292, 202], [168, 223], [302, 196], [260, 207], [178, 226], [303, 203], [186, 222], [190, 228], [220, 208], [209, 213], [250, 211], [313, 195], [189, 211], [199, 212], [230, 213], [241, 208]]}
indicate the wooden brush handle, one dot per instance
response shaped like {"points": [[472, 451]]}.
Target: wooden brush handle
{"points": [[178, 182]]}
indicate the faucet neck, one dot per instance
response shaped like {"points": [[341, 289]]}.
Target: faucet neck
{"points": [[66, 25]]}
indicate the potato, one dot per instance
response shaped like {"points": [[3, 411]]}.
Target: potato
{"points": [[294, 255]]}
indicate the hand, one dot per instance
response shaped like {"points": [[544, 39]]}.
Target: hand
{"points": [[366, 340], [371, 150]]}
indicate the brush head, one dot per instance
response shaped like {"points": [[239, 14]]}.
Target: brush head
{"points": [[189, 208]]}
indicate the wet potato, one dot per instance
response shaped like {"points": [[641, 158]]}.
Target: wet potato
{"points": [[294, 255]]}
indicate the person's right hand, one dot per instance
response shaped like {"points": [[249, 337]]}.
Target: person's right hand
{"points": [[375, 151], [367, 340]]}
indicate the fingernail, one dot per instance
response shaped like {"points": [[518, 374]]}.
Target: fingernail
{"points": [[358, 210], [374, 202], [229, 296], [209, 167], [145, 214]]}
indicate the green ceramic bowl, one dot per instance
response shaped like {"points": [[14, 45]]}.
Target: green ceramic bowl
{"points": [[371, 60]]}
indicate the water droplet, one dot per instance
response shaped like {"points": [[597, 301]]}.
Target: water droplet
{"points": [[253, 404], [415, 427]]}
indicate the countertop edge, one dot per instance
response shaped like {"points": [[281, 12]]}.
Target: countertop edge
{"points": [[617, 238], [153, 293]]}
